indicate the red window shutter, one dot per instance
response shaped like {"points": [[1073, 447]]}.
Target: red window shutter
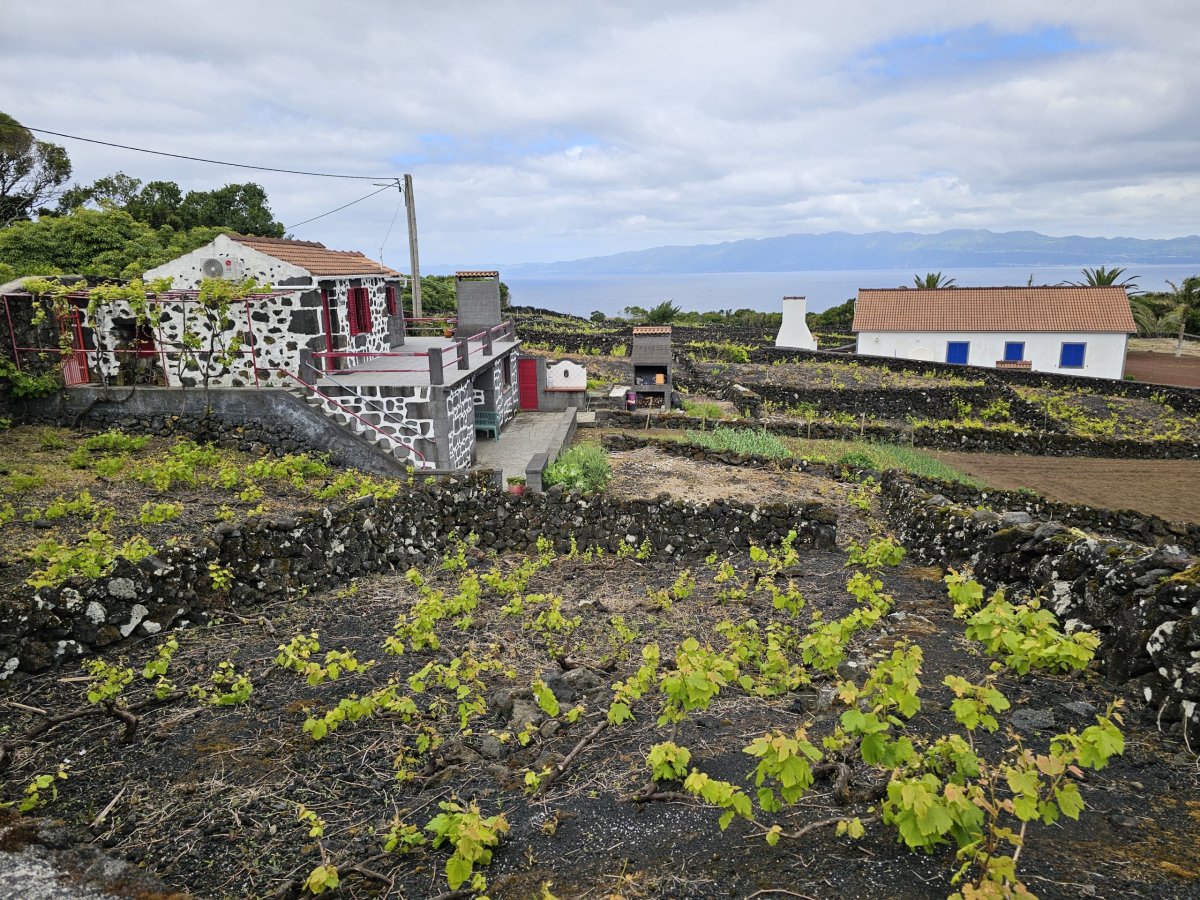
{"points": [[352, 311], [391, 300], [364, 314]]}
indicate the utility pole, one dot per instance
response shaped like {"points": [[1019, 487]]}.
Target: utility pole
{"points": [[413, 255]]}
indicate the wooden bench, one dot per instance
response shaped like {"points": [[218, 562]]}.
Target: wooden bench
{"points": [[488, 421]]}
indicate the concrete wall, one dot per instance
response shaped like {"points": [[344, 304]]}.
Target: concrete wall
{"points": [[1104, 356]]}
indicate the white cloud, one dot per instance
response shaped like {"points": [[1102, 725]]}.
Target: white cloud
{"points": [[550, 131]]}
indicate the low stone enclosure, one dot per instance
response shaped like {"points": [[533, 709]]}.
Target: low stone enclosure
{"points": [[950, 437], [271, 559], [1123, 524], [1144, 604]]}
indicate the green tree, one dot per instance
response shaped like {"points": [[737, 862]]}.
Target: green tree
{"points": [[238, 207], [932, 281], [242, 207], [105, 242], [663, 314], [31, 171], [835, 320], [110, 192]]}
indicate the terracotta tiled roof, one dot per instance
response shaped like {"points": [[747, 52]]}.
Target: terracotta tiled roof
{"points": [[477, 274], [316, 258], [652, 329], [1066, 309]]}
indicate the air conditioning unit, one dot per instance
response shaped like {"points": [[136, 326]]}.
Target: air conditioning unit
{"points": [[221, 268]]}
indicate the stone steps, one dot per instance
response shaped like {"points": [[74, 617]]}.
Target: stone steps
{"points": [[352, 424]]}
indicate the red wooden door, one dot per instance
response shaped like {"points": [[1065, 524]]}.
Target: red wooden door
{"points": [[527, 383], [74, 364]]}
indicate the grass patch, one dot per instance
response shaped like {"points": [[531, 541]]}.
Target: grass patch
{"points": [[703, 410], [746, 441], [584, 467], [866, 454]]}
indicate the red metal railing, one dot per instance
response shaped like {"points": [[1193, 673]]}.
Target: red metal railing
{"points": [[391, 437]]}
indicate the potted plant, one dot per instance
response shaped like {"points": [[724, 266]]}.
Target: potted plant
{"points": [[516, 484]]}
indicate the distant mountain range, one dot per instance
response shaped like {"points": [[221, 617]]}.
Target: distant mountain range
{"points": [[879, 250]]}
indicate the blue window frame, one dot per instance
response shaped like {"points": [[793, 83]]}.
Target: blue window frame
{"points": [[1071, 356], [957, 352], [1014, 351]]}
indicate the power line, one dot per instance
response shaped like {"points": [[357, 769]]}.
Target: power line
{"points": [[392, 224], [344, 206], [217, 162]]}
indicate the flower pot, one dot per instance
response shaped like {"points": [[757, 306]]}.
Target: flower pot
{"points": [[518, 489]]}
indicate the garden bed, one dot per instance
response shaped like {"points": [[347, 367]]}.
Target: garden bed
{"points": [[84, 494]]}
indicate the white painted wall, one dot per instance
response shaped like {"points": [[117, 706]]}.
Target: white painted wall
{"points": [[1103, 358], [793, 331], [566, 376], [185, 273]]}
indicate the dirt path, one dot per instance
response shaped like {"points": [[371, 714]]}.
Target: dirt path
{"points": [[1168, 488], [1163, 368]]}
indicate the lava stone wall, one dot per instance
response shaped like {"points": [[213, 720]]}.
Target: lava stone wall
{"points": [[1124, 524], [951, 437], [273, 559], [1144, 604], [884, 403]]}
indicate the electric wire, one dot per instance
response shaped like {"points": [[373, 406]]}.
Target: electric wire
{"points": [[344, 206], [392, 224], [217, 162]]}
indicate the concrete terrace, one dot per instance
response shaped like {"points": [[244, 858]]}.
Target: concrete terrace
{"points": [[527, 435], [409, 366]]}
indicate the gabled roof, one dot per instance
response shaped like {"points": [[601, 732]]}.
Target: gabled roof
{"points": [[315, 258], [1059, 309]]}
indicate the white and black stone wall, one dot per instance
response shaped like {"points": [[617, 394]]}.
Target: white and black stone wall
{"points": [[460, 426], [403, 413]]}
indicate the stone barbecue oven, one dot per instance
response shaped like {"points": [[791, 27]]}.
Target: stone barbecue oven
{"points": [[651, 359]]}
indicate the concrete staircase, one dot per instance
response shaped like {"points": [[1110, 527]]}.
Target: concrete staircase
{"points": [[359, 424]]}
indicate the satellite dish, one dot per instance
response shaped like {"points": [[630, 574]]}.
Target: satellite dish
{"points": [[212, 268]]}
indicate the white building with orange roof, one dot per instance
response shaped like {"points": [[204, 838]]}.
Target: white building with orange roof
{"points": [[1065, 330]]}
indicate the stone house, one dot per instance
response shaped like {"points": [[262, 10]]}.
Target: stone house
{"points": [[331, 331], [1065, 330]]}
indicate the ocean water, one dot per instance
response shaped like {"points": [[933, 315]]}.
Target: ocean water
{"points": [[764, 291]]}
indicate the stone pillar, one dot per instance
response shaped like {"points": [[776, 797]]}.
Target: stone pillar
{"points": [[464, 355], [437, 374]]}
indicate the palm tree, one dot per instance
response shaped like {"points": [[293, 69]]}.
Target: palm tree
{"points": [[1186, 297], [932, 281], [1102, 277]]}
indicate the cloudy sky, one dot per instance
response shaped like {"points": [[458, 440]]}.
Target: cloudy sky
{"points": [[545, 131]]}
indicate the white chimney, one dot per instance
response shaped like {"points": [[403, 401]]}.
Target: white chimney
{"points": [[793, 332]]}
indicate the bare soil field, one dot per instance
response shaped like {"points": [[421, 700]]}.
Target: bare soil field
{"points": [[1166, 488], [1164, 368]]}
